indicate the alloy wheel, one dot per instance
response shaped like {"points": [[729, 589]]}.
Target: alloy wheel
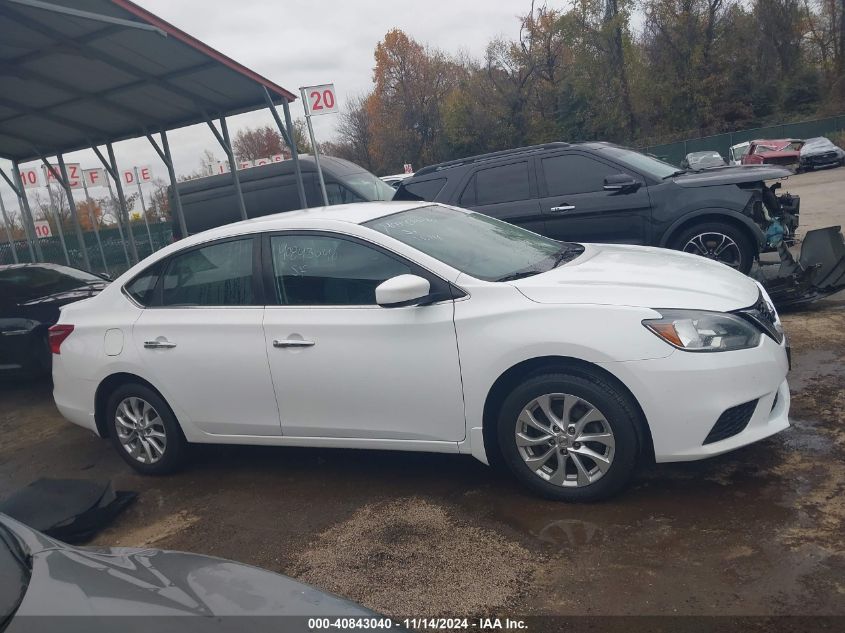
{"points": [[565, 440], [717, 246], [140, 430]]}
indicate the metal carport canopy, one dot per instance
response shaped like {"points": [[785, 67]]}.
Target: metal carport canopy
{"points": [[75, 73]]}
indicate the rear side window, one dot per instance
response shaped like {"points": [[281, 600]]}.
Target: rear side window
{"points": [[215, 275], [506, 183], [573, 173], [423, 190], [142, 287]]}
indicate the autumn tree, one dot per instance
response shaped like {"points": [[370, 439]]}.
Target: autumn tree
{"points": [[255, 143]]}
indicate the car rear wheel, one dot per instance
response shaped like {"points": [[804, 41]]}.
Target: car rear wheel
{"points": [[719, 241], [569, 437], [144, 430]]}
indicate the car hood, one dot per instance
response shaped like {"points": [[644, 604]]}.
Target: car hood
{"points": [[68, 296], [731, 174], [643, 277], [80, 581]]}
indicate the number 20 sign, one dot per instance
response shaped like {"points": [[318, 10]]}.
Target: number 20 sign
{"points": [[321, 99]]}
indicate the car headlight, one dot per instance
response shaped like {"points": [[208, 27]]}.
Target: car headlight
{"points": [[700, 331]]}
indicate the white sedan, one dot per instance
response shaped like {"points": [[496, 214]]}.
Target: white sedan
{"points": [[422, 327]]}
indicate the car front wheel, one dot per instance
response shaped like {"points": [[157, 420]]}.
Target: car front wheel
{"points": [[144, 430], [569, 437], [719, 241]]}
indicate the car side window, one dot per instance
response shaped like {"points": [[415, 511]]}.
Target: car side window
{"points": [[319, 270], [505, 183], [574, 173], [338, 194], [421, 190], [215, 275], [142, 287]]}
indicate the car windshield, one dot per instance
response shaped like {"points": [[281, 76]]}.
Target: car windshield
{"points": [[641, 162], [369, 186], [476, 244], [14, 574], [31, 282]]}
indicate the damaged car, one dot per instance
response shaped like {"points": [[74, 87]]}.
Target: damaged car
{"points": [[783, 152], [820, 152], [600, 192]]}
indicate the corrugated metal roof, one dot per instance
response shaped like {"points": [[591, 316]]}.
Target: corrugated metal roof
{"points": [[69, 79]]}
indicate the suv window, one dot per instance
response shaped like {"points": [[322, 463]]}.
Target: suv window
{"points": [[338, 194], [142, 287], [423, 190], [506, 183], [574, 173], [215, 275], [318, 270]]}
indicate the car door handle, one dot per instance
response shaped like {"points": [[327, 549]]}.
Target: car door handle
{"points": [[292, 342], [159, 345], [563, 208]]}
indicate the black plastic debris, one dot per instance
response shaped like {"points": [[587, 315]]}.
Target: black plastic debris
{"points": [[72, 510]]}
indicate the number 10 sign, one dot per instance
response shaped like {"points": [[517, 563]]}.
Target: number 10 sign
{"points": [[321, 99]]}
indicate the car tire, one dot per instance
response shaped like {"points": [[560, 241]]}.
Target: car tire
{"points": [[569, 473], [706, 239], [144, 430]]}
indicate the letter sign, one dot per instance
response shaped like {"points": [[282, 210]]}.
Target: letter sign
{"points": [[30, 179], [95, 177], [321, 99]]}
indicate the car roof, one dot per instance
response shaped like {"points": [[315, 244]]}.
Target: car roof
{"points": [[354, 213], [57, 267]]}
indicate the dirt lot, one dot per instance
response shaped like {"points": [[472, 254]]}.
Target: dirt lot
{"points": [[757, 532]]}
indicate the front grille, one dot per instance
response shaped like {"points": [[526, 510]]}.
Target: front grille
{"points": [[731, 422]]}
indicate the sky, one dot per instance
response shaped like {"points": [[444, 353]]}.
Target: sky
{"points": [[308, 42]]}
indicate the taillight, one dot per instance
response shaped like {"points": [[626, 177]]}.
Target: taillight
{"points": [[57, 335]]}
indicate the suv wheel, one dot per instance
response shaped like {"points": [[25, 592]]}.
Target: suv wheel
{"points": [[718, 241], [144, 430], [569, 437]]}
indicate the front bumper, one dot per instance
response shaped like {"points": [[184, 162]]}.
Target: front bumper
{"points": [[684, 395]]}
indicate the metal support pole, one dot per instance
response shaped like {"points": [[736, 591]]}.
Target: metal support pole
{"points": [[144, 209], [124, 208], [35, 251], [287, 135], [226, 144], [119, 217], [93, 217], [12, 244], [80, 237], [54, 208], [314, 149], [168, 161]]}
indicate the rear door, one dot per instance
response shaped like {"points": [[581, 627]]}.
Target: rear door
{"points": [[577, 208], [202, 340], [506, 192]]}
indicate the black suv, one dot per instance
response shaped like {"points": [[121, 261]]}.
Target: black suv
{"points": [[600, 192]]}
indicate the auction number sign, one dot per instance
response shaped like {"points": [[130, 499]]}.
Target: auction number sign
{"points": [[42, 229], [321, 99]]}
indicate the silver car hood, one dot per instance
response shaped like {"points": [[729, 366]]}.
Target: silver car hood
{"points": [[81, 581]]}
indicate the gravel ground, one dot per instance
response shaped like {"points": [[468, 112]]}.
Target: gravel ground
{"points": [[760, 531]]}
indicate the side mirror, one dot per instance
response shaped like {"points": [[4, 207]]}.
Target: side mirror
{"points": [[402, 290], [623, 183]]}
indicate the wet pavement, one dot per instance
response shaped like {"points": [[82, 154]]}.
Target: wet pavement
{"points": [[760, 531]]}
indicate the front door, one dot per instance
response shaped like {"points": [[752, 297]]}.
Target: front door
{"points": [[345, 367], [202, 341], [577, 208]]}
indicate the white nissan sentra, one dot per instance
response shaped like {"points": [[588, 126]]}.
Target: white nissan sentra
{"points": [[422, 327]]}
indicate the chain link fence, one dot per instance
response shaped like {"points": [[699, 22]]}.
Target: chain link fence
{"points": [[114, 247], [674, 152]]}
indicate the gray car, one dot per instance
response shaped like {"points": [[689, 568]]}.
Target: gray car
{"points": [[48, 585]]}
